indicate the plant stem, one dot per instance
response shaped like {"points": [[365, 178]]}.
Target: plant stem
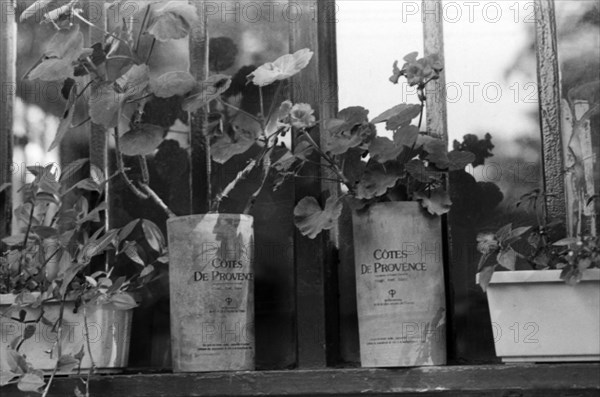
{"points": [[152, 195], [334, 167], [225, 192], [151, 49], [89, 349], [266, 161], [262, 108], [24, 244], [142, 27], [224, 103], [144, 168], [121, 168], [421, 116]]}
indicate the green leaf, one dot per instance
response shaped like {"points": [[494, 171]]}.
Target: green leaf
{"points": [[406, 135], [142, 140], [104, 105], [458, 160], [224, 148], [88, 184], [436, 202], [16, 362], [65, 44], [34, 9], [340, 137], [130, 249], [31, 382], [153, 235], [67, 363], [96, 247], [6, 377], [503, 233], [5, 186], [127, 229], [302, 150], [485, 276], [347, 119], [417, 170], [65, 122], [437, 152], [507, 258], [80, 354], [94, 215], [52, 69], [206, 91], [123, 301], [383, 150], [146, 271], [311, 219], [134, 82], [173, 20], [566, 241], [172, 83], [71, 169], [60, 53], [45, 231], [68, 276], [55, 14], [14, 240], [375, 183], [398, 116]]}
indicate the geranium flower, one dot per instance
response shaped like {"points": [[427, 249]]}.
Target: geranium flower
{"points": [[486, 243], [284, 67], [301, 115], [418, 71]]}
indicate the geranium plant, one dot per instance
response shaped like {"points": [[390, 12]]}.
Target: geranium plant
{"points": [[546, 246], [410, 166], [50, 260], [128, 96], [538, 247]]}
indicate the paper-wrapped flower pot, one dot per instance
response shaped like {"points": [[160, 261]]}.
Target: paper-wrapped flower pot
{"points": [[399, 286], [211, 280]]}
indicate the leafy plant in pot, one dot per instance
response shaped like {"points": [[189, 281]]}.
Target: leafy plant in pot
{"points": [[548, 295], [126, 87], [396, 190], [548, 291], [57, 312]]}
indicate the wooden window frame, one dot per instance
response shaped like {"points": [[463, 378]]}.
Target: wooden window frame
{"points": [[317, 260]]}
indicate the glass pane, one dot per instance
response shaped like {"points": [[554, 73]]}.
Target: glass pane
{"points": [[578, 28], [371, 35], [244, 35], [492, 108]]}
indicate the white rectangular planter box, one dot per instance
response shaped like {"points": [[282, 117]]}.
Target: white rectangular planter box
{"points": [[536, 316]]}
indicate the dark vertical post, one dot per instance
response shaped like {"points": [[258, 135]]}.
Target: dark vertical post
{"points": [[313, 27], [437, 118], [200, 156], [550, 114], [8, 61]]}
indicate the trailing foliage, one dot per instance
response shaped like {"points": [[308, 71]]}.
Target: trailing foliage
{"points": [[49, 259]]}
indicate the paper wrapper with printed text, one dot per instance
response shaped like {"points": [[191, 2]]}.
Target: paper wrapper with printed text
{"points": [[400, 286], [211, 278]]}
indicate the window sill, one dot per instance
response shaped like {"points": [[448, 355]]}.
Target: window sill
{"points": [[478, 380]]}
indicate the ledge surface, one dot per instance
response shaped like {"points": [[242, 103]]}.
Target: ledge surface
{"points": [[513, 380]]}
